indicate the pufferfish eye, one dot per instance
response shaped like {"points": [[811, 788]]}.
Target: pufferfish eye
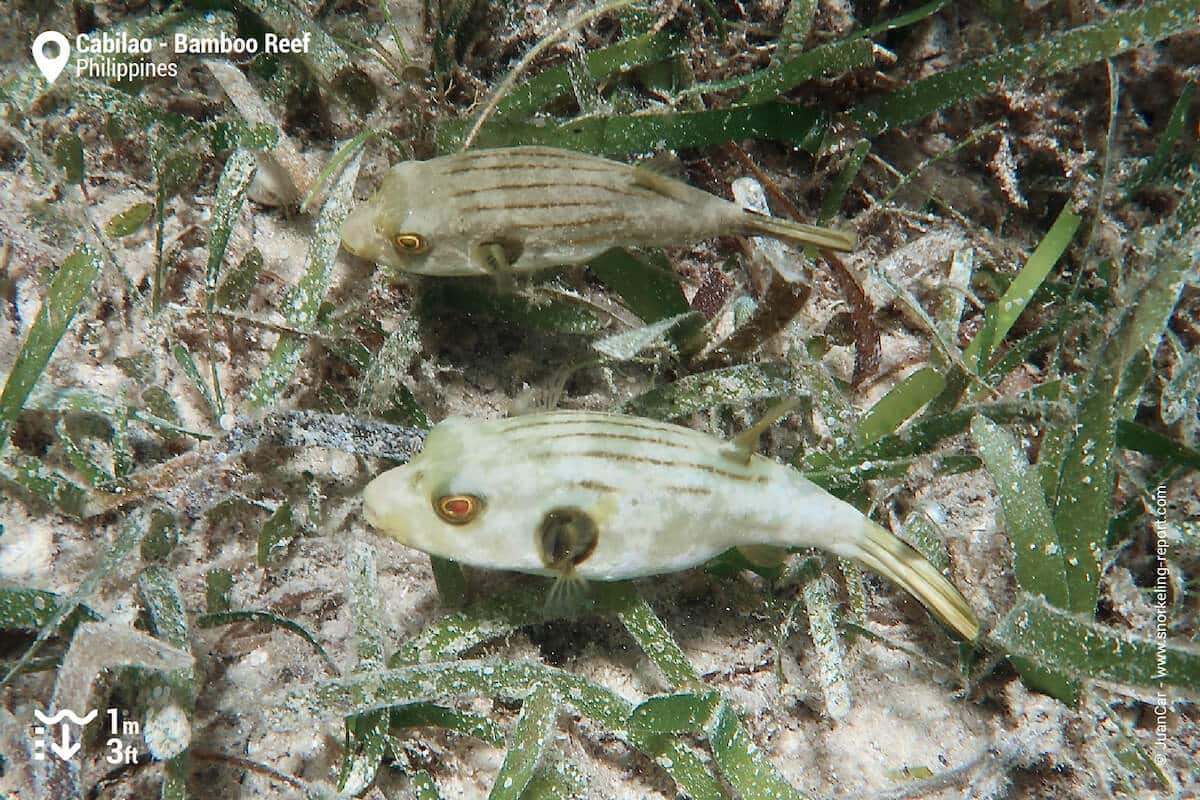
{"points": [[409, 244], [458, 509]]}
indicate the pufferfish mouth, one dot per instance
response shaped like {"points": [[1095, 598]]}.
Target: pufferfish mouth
{"points": [[371, 498], [358, 228], [369, 515], [389, 512]]}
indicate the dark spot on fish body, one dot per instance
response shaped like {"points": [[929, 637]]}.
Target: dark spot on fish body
{"points": [[566, 537]]}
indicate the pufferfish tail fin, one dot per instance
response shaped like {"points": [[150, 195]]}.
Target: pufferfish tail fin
{"points": [[749, 223], [755, 223], [892, 558]]}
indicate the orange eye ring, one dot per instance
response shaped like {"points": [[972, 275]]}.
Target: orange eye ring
{"points": [[410, 243], [458, 509]]}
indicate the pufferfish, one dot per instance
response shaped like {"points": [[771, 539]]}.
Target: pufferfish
{"points": [[594, 496], [520, 209]]}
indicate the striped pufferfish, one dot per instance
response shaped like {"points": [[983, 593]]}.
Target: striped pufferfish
{"points": [[582, 495], [520, 209]]}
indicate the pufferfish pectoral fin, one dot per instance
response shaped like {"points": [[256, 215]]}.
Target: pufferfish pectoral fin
{"points": [[496, 256], [568, 595], [566, 537], [490, 257]]}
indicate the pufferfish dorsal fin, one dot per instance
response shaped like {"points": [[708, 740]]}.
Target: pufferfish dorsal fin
{"points": [[664, 163], [745, 444], [649, 178]]}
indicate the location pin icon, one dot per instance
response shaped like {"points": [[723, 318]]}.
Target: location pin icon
{"points": [[51, 66]]}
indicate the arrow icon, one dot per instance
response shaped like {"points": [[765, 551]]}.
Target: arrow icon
{"points": [[67, 749]]}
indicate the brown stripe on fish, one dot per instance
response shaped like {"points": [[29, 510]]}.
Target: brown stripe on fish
{"points": [[607, 455], [619, 424], [623, 191], [533, 151], [522, 165], [605, 219], [584, 241], [551, 161], [587, 241], [696, 490], [626, 437], [595, 486], [534, 206], [562, 418]]}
